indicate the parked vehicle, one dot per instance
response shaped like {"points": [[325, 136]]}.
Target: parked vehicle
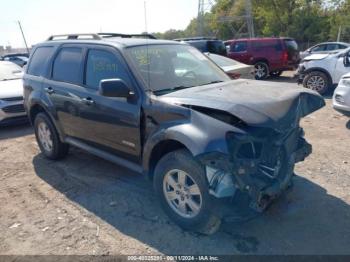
{"points": [[321, 72], [20, 59], [11, 94], [341, 96], [206, 44], [162, 108], [232, 67], [324, 48], [270, 56]]}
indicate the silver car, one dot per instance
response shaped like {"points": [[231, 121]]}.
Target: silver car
{"points": [[232, 67], [341, 97], [324, 48], [11, 94]]}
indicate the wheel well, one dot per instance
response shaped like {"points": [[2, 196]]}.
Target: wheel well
{"points": [[36, 109], [322, 71], [262, 60], [160, 150]]}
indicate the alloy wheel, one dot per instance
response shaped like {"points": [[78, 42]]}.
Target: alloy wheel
{"points": [[45, 137], [182, 193], [316, 83]]}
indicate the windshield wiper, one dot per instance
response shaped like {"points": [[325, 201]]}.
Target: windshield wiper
{"points": [[167, 90], [8, 79], [212, 82]]}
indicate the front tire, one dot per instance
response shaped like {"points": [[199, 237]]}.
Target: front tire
{"points": [[48, 139], [317, 81], [261, 70], [181, 186]]}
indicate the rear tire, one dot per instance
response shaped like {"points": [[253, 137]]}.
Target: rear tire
{"points": [[192, 211], [317, 81], [261, 70], [48, 139]]}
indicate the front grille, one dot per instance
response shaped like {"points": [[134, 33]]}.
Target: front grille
{"points": [[14, 109], [11, 99]]}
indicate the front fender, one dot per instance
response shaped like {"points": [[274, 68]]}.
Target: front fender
{"points": [[202, 134]]}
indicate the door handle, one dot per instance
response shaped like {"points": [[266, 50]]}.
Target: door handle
{"points": [[88, 101], [49, 90]]}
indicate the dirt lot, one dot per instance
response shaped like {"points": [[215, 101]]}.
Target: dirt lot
{"points": [[85, 205]]}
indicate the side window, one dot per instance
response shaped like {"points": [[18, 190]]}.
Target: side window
{"points": [[103, 65], [331, 47], [239, 47], [319, 48], [39, 60], [67, 65], [342, 46]]}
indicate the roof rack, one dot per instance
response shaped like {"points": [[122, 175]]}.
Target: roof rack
{"points": [[195, 38], [98, 36], [74, 37], [107, 35]]}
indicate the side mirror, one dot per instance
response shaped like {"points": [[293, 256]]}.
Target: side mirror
{"points": [[346, 60], [114, 88]]}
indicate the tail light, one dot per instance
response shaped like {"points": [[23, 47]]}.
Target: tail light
{"points": [[285, 57]]}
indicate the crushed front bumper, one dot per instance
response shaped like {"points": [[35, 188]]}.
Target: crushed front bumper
{"points": [[264, 173]]}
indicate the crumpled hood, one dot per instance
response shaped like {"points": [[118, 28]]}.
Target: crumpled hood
{"points": [[258, 103], [11, 88], [316, 57]]}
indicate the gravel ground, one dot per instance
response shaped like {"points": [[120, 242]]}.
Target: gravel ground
{"points": [[85, 205]]}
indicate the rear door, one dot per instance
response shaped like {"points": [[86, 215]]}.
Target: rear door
{"points": [[293, 51], [64, 88], [239, 51]]}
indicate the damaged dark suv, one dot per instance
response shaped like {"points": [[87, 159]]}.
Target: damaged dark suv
{"points": [[163, 109]]}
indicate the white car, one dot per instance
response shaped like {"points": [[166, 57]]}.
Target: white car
{"points": [[320, 72], [232, 67], [324, 48], [11, 94], [341, 97]]}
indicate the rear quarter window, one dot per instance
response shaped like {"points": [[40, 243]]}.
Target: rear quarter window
{"points": [[291, 45], [39, 61]]}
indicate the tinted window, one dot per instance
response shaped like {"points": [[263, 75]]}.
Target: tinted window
{"points": [[103, 65], [216, 47], [291, 45], [38, 63], [239, 47], [319, 48], [201, 46], [331, 47], [267, 44], [342, 46], [67, 65]]}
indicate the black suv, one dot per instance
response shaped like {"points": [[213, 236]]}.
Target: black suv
{"points": [[206, 44], [163, 109]]}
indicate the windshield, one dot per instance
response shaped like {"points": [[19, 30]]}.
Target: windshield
{"points": [[9, 71], [166, 68]]}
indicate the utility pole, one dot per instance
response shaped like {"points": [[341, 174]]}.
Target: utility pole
{"points": [[203, 7], [339, 34], [25, 42], [145, 10], [249, 16]]}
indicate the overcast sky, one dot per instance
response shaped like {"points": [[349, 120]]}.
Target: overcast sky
{"points": [[42, 18]]}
